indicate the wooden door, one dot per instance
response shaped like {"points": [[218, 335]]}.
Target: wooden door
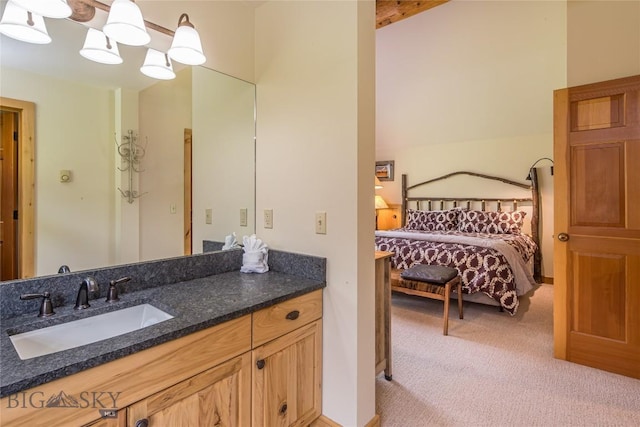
{"points": [[597, 225], [9, 195], [219, 396], [287, 380]]}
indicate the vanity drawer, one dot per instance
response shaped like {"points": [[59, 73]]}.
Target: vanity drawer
{"points": [[277, 320]]}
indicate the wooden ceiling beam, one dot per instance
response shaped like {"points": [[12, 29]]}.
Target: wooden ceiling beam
{"points": [[388, 12]]}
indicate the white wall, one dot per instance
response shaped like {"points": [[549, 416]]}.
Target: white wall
{"points": [[315, 152], [469, 85], [223, 156], [165, 112], [603, 39], [74, 131]]}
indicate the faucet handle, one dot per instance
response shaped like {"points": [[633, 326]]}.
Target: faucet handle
{"points": [[46, 308], [112, 293]]}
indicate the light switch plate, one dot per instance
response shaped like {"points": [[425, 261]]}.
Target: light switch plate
{"points": [[321, 223], [268, 218], [243, 217], [208, 214]]}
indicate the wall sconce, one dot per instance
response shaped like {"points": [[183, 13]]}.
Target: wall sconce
{"points": [[23, 25], [186, 47], [528, 177]]}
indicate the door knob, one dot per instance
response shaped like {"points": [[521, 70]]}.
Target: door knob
{"points": [[563, 237], [142, 423]]}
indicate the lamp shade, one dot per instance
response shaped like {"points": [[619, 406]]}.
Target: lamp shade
{"points": [[125, 24], [48, 8], [157, 65], [380, 203], [99, 48], [20, 24], [186, 47], [378, 184]]}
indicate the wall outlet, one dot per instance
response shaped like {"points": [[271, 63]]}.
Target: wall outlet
{"points": [[268, 218], [243, 217], [321, 223], [172, 208], [208, 216]]}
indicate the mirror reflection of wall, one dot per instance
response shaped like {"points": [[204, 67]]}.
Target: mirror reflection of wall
{"points": [[86, 223]]}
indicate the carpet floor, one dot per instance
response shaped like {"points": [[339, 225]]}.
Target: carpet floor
{"points": [[493, 370]]}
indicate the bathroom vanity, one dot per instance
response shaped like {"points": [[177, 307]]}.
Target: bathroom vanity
{"points": [[241, 349]]}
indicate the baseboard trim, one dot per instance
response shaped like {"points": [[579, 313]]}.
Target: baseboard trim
{"points": [[548, 280], [323, 421]]}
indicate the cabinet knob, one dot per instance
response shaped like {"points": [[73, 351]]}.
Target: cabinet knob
{"points": [[142, 423], [260, 363], [293, 315], [563, 237]]}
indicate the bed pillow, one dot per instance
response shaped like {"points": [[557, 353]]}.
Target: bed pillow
{"points": [[490, 222], [432, 220]]}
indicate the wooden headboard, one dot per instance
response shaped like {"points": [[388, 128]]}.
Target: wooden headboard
{"points": [[479, 202]]}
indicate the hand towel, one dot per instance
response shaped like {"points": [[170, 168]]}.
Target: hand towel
{"points": [[230, 242], [255, 257]]}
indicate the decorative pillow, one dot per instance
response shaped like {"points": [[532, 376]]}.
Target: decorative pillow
{"points": [[490, 222], [432, 220]]}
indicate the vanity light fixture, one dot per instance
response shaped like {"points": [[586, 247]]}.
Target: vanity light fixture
{"points": [[125, 24], [99, 48], [157, 65], [46, 8], [186, 47], [20, 24]]}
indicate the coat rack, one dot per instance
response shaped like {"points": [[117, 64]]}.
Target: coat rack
{"points": [[131, 153]]}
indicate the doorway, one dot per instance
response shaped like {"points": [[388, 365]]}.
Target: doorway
{"points": [[18, 188]]}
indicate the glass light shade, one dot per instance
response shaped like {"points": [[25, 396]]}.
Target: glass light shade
{"points": [[48, 8], [125, 24], [20, 24], [186, 47], [99, 48], [157, 65]]}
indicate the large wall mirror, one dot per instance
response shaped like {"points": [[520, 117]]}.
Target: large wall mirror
{"points": [[198, 136]]}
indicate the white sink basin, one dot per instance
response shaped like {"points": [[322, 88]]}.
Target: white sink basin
{"points": [[86, 331]]}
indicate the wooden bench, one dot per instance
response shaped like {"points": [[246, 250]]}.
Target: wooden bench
{"points": [[430, 281]]}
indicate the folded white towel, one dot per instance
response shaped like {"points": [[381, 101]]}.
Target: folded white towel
{"points": [[255, 257], [230, 242]]}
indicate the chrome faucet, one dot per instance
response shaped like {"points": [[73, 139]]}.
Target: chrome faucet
{"points": [[89, 284]]}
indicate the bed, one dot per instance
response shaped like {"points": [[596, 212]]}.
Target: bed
{"points": [[491, 241]]}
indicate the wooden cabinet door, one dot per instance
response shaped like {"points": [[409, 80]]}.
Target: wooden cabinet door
{"points": [[597, 225], [287, 378], [219, 396]]}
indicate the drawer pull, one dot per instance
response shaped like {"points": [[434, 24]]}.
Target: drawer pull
{"points": [[142, 423], [293, 315], [260, 363]]}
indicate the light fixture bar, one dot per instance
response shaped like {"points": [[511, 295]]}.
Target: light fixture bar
{"points": [[80, 17]]}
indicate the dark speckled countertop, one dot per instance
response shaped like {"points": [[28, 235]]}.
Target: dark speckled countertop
{"points": [[195, 304]]}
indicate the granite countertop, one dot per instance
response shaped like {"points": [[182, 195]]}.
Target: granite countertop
{"points": [[195, 304]]}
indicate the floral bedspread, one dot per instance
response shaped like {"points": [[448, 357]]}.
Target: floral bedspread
{"points": [[484, 267]]}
